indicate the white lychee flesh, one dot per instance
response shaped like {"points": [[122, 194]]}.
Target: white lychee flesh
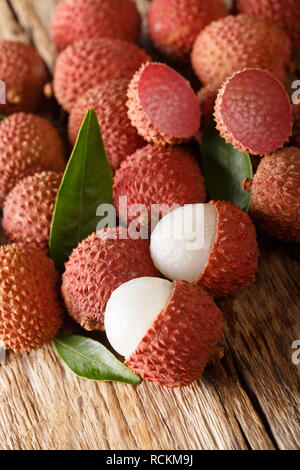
{"points": [[132, 309], [182, 241]]}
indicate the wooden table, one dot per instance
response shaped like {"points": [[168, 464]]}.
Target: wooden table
{"points": [[249, 400]]}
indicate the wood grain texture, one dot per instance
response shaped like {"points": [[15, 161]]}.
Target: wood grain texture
{"points": [[249, 400]]}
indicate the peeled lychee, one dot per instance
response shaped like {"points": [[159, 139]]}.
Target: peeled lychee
{"points": [[30, 307], [28, 209], [253, 112], [174, 25], [153, 180], [275, 194], [168, 332], [296, 128], [213, 245], [86, 64], [162, 105], [87, 19], [24, 75], [286, 13], [100, 264], [28, 144], [237, 42], [109, 102]]}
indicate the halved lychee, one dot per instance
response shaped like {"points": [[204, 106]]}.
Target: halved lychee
{"points": [[167, 331], [213, 245]]}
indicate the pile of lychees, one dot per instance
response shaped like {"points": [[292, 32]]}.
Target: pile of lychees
{"points": [[154, 300]]}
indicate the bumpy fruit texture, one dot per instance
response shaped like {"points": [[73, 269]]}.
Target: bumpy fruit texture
{"points": [[24, 74], [158, 178], [253, 112], [87, 19], [181, 341], [100, 264], [30, 307], [237, 42], [162, 105], [89, 63], [29, 207], [109, 101], [296, 129], [175, 24], [275, 196], [285, 13], [28, 144]]}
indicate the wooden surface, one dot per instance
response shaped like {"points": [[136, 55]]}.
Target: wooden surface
{"points": [[249, 400]]}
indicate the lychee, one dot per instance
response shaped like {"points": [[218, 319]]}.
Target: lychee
{"points": [[275, 194], [100, 264], [24, 74], [168, 332], [28, 209], [296, 128], [213, 245], [237, 42], [154, 180], [28, 144], [174, 25], [253, 112], [285, 13], [207, 98], [109, 102], [162, 105], [87, 19], [86, 64], [30, 307]]}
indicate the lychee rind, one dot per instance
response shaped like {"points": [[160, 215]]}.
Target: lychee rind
{"points": [[88, 63], [275, 195], [162, 105], [28, 144], [24, 74], [285, 13], [100, 264], [181, 341], [30, 307], [109, 101], [233, 260], [253, 112], [157, 175], [174, 25], [296, 128], [87, 19], [28, 209], [237, 42]]}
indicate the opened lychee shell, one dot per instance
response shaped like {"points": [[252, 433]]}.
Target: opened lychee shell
{"points": [[30, 308], [100, 264], [233, 260], [29, 207], [181, 341]]}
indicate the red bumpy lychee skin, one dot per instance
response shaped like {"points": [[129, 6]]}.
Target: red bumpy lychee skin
{"points": [[162, 105], [89, 63], [275, 195], [109, 101], [24, 74], [28, 144], [253, 112], [164, 176], [87, 19], [285, 13], [100, 264], [182, 340], [174, 25], [237, 42], [28, 209], [30, 306], [296, 129], [233, 260]]}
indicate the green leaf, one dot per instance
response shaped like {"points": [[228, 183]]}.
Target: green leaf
{"points": [[224, 168], [91, 360], [86, 184], [2, 117]]}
